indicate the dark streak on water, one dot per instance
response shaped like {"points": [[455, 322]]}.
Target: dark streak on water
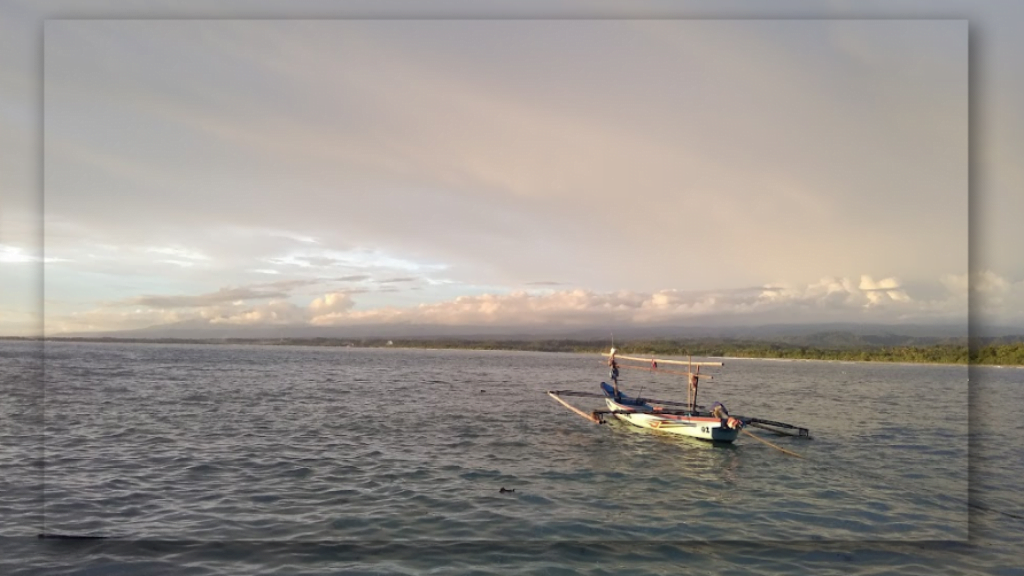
{"points": [[247, 459]]}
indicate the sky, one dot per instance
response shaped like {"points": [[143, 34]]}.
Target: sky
{"points": [[527, 172]]}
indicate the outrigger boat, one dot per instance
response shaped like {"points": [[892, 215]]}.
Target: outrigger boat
{"points": [[686, 419]]}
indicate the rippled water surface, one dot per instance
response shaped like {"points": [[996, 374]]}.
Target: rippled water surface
{"points": [[263, 459]]}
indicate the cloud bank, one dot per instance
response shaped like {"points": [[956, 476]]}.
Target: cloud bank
{"points": [[863, 299]]}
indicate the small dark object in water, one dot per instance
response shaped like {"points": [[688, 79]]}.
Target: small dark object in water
{"points": [[482, 391], [503, 490], [68, 537]]}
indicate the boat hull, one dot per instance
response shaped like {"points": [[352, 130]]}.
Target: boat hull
{"points": [[705, 427]]}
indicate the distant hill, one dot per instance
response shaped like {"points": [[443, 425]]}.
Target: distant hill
{"points": [[832, 335]]}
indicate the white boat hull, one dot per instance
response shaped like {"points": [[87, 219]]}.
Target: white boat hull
{"points": [[703, 427]]}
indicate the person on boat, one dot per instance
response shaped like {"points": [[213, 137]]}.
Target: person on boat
{"points": [[693, 391], [614, 372], [718, 411]]}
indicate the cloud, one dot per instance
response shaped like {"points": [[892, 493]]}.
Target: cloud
{"points": [[107, 319], [18, 255], [877, 292], [333, 303], [828, 299], [218, 297], [995, 300], [178, 252], [289, 284], [989, 284], [301, 238], [307, 261], [275, 312]]}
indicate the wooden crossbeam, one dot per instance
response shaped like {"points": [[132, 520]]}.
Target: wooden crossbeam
{"points": [[602, 396], [662, 371], [660, 361]]}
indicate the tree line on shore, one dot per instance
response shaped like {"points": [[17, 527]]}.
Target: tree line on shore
{"points": [[943, 353]]}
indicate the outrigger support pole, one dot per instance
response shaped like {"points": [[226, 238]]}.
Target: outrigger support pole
{"points": [[759, 439], [777, 427], [592, 417]]}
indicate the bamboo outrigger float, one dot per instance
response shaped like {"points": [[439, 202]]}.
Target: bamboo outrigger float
{"points": [[685, 419]]}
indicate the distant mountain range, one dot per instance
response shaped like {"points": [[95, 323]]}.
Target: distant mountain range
{"points": [[839, 334]]}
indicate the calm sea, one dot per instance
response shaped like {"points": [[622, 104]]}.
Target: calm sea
{"points": [[278, 460]]}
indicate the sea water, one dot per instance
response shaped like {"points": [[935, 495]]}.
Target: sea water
{"points": [[279, 459]]}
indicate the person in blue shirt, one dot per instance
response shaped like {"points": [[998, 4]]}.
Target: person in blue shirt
{"points": [[614, 372]]}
